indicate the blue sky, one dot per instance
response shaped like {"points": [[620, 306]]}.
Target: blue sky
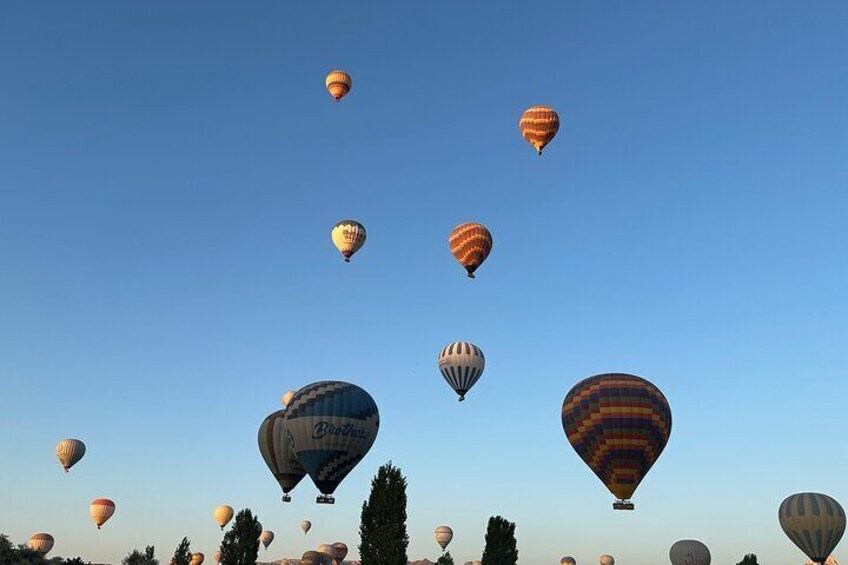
{"points": [[170, 173]]}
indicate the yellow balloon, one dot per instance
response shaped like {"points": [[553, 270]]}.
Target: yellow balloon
{"points": [[223, 515]]}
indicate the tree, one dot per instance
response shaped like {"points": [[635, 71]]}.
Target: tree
{"points": [[749, 559], [241, 543], [136, 557], [445, 559], [382, 530], [501, 546], [182, 555], [77, 561]]}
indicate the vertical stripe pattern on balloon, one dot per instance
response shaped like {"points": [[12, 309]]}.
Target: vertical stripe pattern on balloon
{"points": [[461, 364], [814, 522], [101, 509], [276, 450], [539, 125], [338, 84], [619, 425], [69, 452], [470, 243]]}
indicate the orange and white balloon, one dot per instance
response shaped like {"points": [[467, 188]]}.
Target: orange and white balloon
{"points": [[539, 125], [101, 509], [470, 243], [338, 84], [197, 558]]}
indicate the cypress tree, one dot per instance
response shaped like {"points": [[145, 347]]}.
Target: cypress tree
{"points": [[241, 543], [445, 559], [382, 530], [749, 559], [501, 547], [182, 555]]}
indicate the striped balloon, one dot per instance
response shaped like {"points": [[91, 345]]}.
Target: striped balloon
{"points": [[41, 542], [332, 424], [69, 452], [689, 552], [266, 538], [275, 446], [470, 243], [444, 535], [539, 125], [619, 425], [101, 509], [814, 522], [461, 364], [606, 560], [338, 83], [348, 237]]}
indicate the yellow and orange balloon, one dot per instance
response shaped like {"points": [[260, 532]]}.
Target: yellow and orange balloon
{"points": [[539, 125], [223, 514], [470, 243], [348, 236], [338, 84]]}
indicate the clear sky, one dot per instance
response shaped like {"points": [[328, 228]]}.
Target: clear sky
{"points": [[169, 175]]}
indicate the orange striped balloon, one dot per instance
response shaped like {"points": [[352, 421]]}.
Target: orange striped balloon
{"points": [[338, 83], [470, 243], [41, 542], [539, 125], [101, 509]]}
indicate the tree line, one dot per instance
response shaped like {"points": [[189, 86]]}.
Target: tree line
{"points": [[382, 533]]}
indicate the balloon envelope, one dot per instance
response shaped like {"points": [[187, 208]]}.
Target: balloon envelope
{"points": [[101, 509], [689, 552], [348, 236], [567, 560], [223, 514], [444, 535], [41, 542], [619, 425], [470, 243], [287, 397], [69, 452], [341, 551], [606, 560], [306, 525], [266, 538], [275, 447], [197, 558], [539, 125], [338, 84], [217, 556], [462, 365], [332, 424], [814, 522], [311, 558]]}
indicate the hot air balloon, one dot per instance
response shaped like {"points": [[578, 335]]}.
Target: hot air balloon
{"points": [[217, 556], [606, 560], [470, 243], [287, 398], [197, 558], [69, 452], [461, 364], [275, 446], [266, 538], [348, 237], [829, 561], [338, 84], [814, 522], [223, 514], [567, 560], [101, 509], [619, 425], [311, 558], [444, 535], [341, 552], [332, 424], [539, 125], [689, 552], [41, 542], [306, 525], [328, 552]]}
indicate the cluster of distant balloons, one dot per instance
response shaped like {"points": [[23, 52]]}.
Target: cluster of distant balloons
{"points": [[619, 424]]}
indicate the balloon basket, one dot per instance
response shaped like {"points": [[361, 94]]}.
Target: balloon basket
{"points": [[286, 498], [325, 499], [623, 505]]}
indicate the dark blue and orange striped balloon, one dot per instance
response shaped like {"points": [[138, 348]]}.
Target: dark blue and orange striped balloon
{"points": [[618, 424], [814, 522]]}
